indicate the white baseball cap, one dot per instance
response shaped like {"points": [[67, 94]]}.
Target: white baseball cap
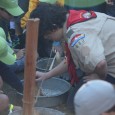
{"points": [[94, 98]]}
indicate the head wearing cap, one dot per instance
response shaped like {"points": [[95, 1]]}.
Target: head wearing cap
{"points": [[6, 53], [94, 98], [11, 6]]}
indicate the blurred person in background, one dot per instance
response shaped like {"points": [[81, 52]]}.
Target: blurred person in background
{"points": [[96, 97], [4, 101], [8, 9], [5, 106]]}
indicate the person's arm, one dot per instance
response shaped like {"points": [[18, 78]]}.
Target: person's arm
{"points": [[61, 68], [1, 83], [101, 69], [100, 72], [90, 54]]}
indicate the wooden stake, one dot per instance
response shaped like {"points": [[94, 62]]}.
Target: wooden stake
{"points": [[30, 66]]}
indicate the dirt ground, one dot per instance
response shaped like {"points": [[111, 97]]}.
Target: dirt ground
{"points": [[14, 99]]}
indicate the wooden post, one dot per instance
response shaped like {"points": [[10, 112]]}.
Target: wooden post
{"points": [[30, 66]]}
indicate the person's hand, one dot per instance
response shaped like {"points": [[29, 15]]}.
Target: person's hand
{"points": [[57, 49], [40, 76], [17, 108], [1, 92], [91, 77], [20, 53], [110, 2]]}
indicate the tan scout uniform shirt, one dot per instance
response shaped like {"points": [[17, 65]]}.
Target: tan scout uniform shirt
{"points": [[95, 42]]}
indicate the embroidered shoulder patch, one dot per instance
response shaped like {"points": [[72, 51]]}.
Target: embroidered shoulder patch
{"points": [[76, 39]]}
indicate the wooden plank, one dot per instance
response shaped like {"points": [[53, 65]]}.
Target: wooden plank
{"points": [[30, 66]]}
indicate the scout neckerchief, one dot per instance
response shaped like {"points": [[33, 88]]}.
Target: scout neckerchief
{"points": [[76, 17]]}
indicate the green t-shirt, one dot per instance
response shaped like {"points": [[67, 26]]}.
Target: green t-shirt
{"points": [[83, 3]]}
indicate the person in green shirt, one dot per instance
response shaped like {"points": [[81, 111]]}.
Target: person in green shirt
{"points": [[96, 5]]}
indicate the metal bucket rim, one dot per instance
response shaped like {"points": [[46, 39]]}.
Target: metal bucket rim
{"points": [[43, 108], [42, 59], [69, 85]]}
